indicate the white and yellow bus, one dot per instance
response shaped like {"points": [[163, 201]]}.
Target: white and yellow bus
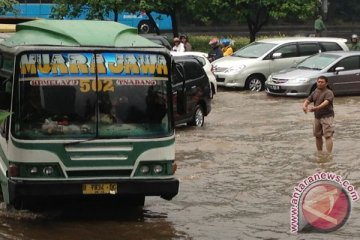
{"points": [[90, 106]]}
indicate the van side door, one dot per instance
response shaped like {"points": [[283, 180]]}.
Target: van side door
{"points": [[197, 85], [178, 90], [283, 57]]}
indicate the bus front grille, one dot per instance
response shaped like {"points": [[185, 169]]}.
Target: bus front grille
{"points": [[99, 173]]}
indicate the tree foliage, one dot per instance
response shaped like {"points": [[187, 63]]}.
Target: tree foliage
{"points": [[94, 9], [256, 13], [101, 9], [7, 6]]}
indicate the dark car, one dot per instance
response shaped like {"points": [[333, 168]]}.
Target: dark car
{"points": [[159, 39], [191, 91]]}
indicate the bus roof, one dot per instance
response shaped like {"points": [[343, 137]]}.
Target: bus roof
{"points": [[76, 33]]}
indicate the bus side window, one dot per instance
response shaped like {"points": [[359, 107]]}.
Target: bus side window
{"points": [[5, 93], [5, 102]]}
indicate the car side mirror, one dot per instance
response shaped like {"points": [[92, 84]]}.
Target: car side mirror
{"points": [[276, 55], [339, 69]]}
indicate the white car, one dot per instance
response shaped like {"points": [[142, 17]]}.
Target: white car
{"points": [[203, 58], [251, 65]]}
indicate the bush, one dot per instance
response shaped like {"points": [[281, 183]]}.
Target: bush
{"points": [[201, 43]]}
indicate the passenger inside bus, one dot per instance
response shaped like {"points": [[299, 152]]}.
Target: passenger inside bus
{"points": [[33, 112], [156, 106], [105, 110]]}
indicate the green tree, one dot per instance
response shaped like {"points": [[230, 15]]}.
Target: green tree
{"points": [[8, 6], [256, 13]]}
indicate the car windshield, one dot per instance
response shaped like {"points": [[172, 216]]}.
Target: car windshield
{"points": [[68, 99], [254, 50], [317, 62]]}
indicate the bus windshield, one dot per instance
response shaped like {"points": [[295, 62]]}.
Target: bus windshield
{"points": [[87, 95]]}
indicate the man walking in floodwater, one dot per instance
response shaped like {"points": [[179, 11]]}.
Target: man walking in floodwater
{"points": [[323, 109]]}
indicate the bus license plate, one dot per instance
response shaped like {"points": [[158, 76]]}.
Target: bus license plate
{"points": [[100, 188]]}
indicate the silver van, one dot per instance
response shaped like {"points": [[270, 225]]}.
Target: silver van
{"points": [[250, 66]]}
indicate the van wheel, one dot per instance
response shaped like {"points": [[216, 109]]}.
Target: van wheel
{"points": [[198, 118], [255, 83]]}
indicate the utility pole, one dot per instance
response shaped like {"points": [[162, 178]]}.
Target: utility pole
{"points": [[324, 7]]}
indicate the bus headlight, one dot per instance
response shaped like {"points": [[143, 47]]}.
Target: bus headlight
{"points": [[48, 170], [157, 169], [144, 169], [34, 170]]}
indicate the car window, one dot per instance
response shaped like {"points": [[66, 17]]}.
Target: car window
{"points": [[349, 63], [330, 46], [254, 50], [193, 70], [176, 74], [201, 60], [317, 62], [287, 51], [307, 49]]}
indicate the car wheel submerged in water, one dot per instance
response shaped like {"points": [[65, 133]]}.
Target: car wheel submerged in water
{"points": [[198, 118], [255, 83]]}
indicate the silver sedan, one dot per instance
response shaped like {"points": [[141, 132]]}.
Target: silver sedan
{"points": [[341, 68]]}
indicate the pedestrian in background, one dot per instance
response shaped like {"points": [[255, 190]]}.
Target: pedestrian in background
{"points": [[215, 50], [319, 26], [323, 109], [178, 45], [185, 40], [355, 45]]}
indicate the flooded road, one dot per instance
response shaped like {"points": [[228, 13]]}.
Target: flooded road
{"points": [[237, 175]]}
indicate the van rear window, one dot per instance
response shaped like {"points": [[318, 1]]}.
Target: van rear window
{"points": [[307, 49], [330, 46]]}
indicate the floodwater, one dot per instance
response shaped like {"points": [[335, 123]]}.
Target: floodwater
{"points": [[237, 175]]}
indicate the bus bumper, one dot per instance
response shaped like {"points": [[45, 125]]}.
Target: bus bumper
{"points": [[165, 188]]}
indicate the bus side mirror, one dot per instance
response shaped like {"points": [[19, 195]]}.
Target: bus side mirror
{"points": [[5, 100]]}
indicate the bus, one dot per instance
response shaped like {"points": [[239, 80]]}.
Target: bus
{"points": [[28, 9], [85, 115]]}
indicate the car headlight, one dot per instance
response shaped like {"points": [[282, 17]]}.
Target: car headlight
{"points": [[269, 79], [300, 80], [234, 69]]}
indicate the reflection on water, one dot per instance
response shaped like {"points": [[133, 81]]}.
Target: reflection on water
{"points": [[237, 175], [252, 152], [90, 222]]}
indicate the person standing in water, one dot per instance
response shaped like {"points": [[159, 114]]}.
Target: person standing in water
{"points": [[323, 110]]}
